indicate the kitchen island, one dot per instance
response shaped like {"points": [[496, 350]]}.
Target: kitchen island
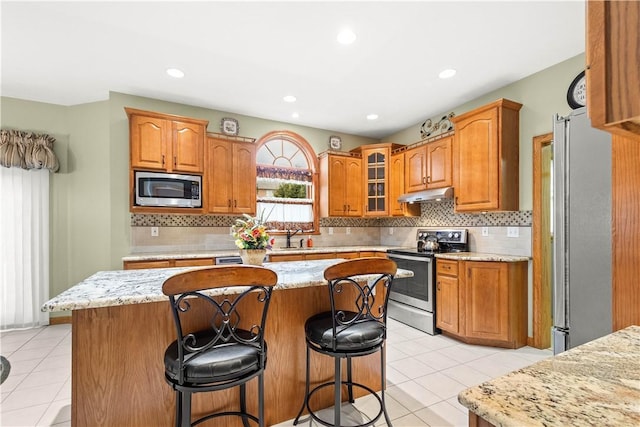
{"points": [[597, 383], [121, 326]]}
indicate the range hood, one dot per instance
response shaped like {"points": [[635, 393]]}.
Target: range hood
{"points": [[420, 196]]}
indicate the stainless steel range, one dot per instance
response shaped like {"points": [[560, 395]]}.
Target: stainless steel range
{"points": [[412, 300]]}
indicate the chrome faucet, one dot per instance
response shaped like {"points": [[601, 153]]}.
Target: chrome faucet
{"points": [[290, 235]]}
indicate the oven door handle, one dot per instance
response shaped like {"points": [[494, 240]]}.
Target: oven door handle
{"points": [[409, 257]]}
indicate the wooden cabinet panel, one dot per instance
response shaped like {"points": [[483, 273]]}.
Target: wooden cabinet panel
{"points": [[396, 188], [447, 303], [312, 256], [148, 142], [396, 184], [137, 265], [485, 158], [486, 301], [429, 166], [482, 302], [219, 176], [244, 178], [415, 169], [286, 257], [340, 185], [194, 262], [166, 142], [231, 176], [439, 165], [375, 167], [613, 70], [187, 147]]}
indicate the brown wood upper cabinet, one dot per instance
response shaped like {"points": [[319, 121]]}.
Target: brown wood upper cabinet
{"points": [[376, 178], [396, 189], [613, 66], [166, 142], [485, 158], [429, 166], [340, 184], [230, 177]]}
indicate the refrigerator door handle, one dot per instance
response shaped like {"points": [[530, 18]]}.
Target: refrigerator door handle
{"points": [[561, 174]]}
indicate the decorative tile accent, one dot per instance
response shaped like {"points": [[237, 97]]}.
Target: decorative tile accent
{"points": [[433, 214]]}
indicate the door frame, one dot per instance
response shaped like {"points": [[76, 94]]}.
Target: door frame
{"points": [[541, 295]]}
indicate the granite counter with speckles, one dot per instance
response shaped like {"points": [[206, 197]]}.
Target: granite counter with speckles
{"points": [[123, 287], [478, 256], [597, 383]]}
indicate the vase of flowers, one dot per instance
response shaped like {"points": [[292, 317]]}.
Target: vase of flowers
{"points": [[251, 237]]}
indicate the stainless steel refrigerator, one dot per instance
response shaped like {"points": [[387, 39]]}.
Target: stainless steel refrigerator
{"points": [[582, 231]]}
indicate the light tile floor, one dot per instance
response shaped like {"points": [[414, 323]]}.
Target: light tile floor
{"points": [[424, 376]]}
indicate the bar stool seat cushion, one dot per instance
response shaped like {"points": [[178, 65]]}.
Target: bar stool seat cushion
{"points": [[220, 363], [357, 337]]}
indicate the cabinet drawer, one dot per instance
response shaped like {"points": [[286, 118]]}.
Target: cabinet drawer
{"points": [[194, 262], [137, 265], [447, 267]]}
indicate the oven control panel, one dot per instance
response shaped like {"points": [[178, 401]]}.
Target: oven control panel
{"points": [[444, 236]]}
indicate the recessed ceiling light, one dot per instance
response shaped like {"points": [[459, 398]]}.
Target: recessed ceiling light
{"points": [[289, 98], [448, 73], [346, 36], [175, 73], [372, 116], [295, 115]]}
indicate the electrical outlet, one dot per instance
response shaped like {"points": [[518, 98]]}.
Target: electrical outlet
{"points": [[390, 230], [513, 232], [330, 230], [348, 230], [154, 232], [485, 231]]}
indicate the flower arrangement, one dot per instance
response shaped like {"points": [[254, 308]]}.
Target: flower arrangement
{"points": [[251, 233]]}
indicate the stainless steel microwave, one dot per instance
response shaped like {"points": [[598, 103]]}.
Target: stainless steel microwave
{"points": [[168, 190]]}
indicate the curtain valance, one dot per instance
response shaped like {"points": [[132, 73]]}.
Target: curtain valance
{"points": [[27, 150], [275, 172]]}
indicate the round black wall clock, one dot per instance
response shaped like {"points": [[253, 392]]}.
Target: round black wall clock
{"points": [[577, 93]]}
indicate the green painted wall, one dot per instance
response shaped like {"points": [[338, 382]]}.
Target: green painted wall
{"points": [[90, 221], [542, 94]]}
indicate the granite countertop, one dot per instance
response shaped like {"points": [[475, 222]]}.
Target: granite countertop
{"points": [[479, 256], [155, 256], [123, 287], [597, 383]]}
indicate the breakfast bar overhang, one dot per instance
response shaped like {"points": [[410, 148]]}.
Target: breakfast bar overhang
{"points": [[121, 326]]}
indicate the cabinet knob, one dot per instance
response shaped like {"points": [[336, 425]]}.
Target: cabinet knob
{"points": [[438, 287], [424, 179], [429, 179], [235, 203], [175, 161], [229, 202], [163, 160]]}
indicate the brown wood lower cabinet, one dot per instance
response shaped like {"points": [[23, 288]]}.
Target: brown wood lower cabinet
{"points": [[166, 263], [280, 257], [324, 255], [483, 302]]}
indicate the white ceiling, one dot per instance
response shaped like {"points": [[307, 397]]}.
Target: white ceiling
{"points": [[243, 57]]}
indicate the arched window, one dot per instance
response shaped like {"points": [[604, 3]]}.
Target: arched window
{"points": [[287, 182]]}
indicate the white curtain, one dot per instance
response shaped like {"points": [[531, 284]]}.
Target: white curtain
{"points": [[24, 247], [286, 212]]}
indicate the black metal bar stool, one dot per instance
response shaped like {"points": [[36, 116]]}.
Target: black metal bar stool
{"points": [[230, 350], [345, 332]]}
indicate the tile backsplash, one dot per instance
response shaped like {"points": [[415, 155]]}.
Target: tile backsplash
{"points": [[211, 232]]}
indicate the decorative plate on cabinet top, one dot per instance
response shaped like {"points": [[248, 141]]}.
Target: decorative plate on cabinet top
{"points": [[229, 126]]}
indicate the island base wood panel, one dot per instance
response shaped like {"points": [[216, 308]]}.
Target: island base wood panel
{"points": [[118, 370]]}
